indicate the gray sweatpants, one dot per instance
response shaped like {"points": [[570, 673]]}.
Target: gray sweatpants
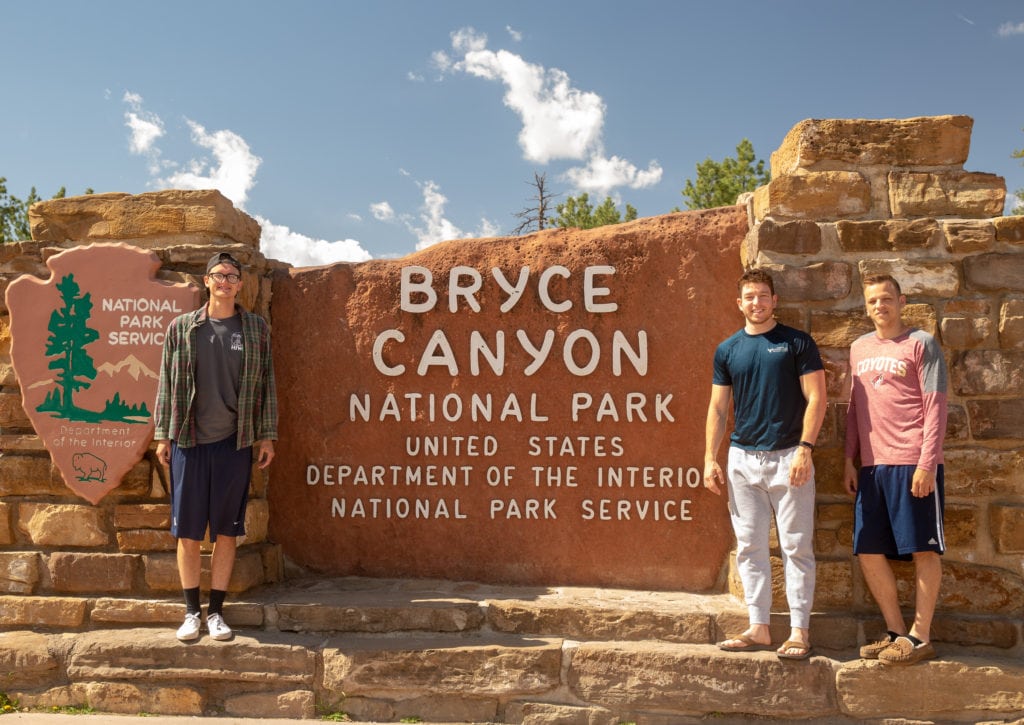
{"points": [[759, 489]]}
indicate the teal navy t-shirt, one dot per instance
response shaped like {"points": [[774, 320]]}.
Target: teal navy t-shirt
{"points": [[764, 372]]}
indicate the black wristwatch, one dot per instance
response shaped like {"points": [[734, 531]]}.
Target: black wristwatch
{"points": [[805, 444]]}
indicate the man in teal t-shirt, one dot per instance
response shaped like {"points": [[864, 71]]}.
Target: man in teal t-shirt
{"points": [[775, 379]]}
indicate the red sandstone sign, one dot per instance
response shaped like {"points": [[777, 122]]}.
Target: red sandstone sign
{"points": [[86, 347], [525, 410]]}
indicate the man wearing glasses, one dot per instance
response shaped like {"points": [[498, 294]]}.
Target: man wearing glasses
{"points": [[216, 402]]}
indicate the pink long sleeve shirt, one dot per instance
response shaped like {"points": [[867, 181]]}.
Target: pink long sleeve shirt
{"points": [[897, 410]]}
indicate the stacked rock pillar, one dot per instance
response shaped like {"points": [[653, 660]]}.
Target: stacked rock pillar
{"points": [[63, 561], [849, 198]]}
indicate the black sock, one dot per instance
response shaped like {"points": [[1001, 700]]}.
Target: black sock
{"points": [[915, 640], [892, 636], [216, 601], [191, 600]]}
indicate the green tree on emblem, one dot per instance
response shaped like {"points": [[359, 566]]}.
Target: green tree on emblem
{"points": [[69, 334]]}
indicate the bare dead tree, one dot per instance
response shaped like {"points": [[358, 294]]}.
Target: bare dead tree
{"points": [[535, 218]]}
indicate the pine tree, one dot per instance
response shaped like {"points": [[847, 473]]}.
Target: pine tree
{"points": [[69, 334]]}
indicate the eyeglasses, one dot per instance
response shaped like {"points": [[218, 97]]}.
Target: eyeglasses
{"points": [[220, 277]]}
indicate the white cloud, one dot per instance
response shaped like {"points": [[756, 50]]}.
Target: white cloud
{"points": [[601, 175], [1008, 29], [433, 226], [414, 77], [559, 121], [514, 34], [145, 127], [354, 217], [382, 211], [232, 170], [280, 242]]}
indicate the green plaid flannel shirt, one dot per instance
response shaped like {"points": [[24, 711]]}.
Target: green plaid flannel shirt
{"points": [[174, 416]]}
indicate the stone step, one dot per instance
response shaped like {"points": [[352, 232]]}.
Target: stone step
{"points": [[481, 677], [382, 606]]}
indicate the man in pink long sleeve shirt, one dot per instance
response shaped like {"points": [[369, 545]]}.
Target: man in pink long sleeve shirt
{"points": [[896, 424]]}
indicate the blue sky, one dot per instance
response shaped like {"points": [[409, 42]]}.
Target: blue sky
{"points": [[353, 130]]}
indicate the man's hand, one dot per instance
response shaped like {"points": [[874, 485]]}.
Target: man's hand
{"points": [[163, 452], [266, 452], [850, 477], [713, 477], [801, 467], [923, 484]]}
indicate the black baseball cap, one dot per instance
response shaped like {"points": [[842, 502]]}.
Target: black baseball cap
{"points": [[223, 258]]}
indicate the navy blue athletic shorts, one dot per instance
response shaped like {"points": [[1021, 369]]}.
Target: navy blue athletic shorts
{"points": [[890, 520], [209, 487]]}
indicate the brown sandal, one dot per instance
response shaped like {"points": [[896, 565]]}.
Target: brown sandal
{"points": [[749, 645], [804, 653]]}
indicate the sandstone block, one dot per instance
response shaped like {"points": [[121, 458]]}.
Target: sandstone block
{"points": [[26, 660], [1011, 324], [980, 589], [969, 237], [12, 415], [63, 525], [957, 427], [965, 332], [1006, 522], [136, 484], [599, 623], [142, 516], [886, 235], [962, 306], [148, 656], [161, 571], [56, 612], [695, 679], [294, 704], [130, 699], [837, 373], [973, 472], [960, 524], [542, 713], [358, 614], [28, 475], [451, 708], [171, 213], [470, 667], [6, 534], [957, 193], [994, 272], [930, 690], [922, 141], [839, 329], [257, 518], [991, 419], [88, 572], [928, 279], [19, 572], [816, 195], [921, 316], [797, 237], [989, 372], [137, 611], [971, 631], [821, 281], [1009, 229], [134, 541]]}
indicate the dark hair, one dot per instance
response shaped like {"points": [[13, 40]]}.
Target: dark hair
{"points": [[755, 276], [881, 279]]}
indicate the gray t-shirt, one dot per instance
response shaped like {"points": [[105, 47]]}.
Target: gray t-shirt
{"points": [[219, 352]]}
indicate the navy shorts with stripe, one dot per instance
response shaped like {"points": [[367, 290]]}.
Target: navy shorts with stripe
{"points": [[890, 520], [209, 487]]}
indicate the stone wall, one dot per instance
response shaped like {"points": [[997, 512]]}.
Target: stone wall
{"points": [[848, 198], [56, 549], [852, 198]]}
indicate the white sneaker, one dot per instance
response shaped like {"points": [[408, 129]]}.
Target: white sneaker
{"points": [[218, 628], [189, 630]]}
